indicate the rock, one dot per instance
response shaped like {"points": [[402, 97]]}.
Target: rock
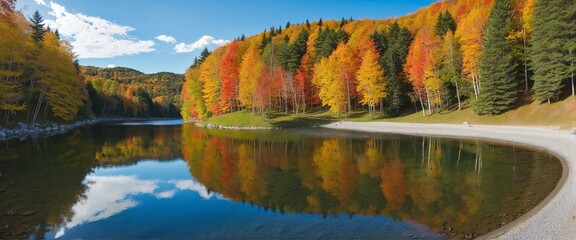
{"points": [[28, 213], [22, 125], [3, 134]]}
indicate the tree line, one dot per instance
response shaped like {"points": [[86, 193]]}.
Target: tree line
{"points": [[451, 55], [41, 80]]}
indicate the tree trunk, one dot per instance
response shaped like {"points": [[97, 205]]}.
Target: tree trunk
{"points": [[348, 94], [455, 76], [474, 86], [428, 100], [572, 66], [525, 61], [39, 104], [422, 105]]}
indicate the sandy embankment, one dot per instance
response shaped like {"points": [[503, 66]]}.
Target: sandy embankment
{"points": [[553, 218]]}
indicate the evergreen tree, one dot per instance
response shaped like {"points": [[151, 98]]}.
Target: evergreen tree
{"points": [[327, 42], [290, 56], [393, 49], [552, 50], [287, 25], [445, 22], [498, 68], [38, 27], [198, 61], [308, 24], [320, 22], [263, 42]]}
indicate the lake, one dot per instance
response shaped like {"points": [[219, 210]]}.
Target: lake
{"points": [[161, 179]]}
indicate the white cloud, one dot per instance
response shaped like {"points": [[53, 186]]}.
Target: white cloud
{"points": [[165, 194], [193, 186], [166, 38], [107, 196], [203, 42], [41, 2], [94, 37], [111, 66]]}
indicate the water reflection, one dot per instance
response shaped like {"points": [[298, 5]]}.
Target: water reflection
{"points": [[169, 181], [45, 183], [461, 188], [109, 194]]}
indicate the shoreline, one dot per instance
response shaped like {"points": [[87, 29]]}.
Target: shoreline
{"points": [[553, 217], [34, 130]]}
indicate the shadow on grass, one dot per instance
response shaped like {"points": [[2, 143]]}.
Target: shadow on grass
{"points": [[302, 122]]}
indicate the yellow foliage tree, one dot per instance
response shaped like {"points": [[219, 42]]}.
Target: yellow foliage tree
{"points": [[14, 48], [370, 81], [471, 34], [58, 79], [331, 85], [250, 72], [212, 83]]}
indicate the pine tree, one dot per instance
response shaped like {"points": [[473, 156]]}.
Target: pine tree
{"points": [[552, 50], [36, 24], [287, 25], [498, 68], [263, 42], [393, 48], [308, 24], [445, 22]]}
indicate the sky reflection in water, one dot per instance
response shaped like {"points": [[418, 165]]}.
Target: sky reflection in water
{"points": [[160, 180]]}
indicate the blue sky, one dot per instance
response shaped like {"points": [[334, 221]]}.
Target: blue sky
{"points": [[126, 32]]}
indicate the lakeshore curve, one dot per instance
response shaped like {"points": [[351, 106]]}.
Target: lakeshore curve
{"points": [[555, 216]]}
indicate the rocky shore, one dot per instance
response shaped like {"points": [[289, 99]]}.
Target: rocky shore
{"points": [[212, 126], [34, 130]]}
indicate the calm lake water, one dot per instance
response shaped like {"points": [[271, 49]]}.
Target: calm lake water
{"points": [[164, 180]]}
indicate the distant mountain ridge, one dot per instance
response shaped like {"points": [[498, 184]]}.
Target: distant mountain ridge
{"points": [[159, 92]]}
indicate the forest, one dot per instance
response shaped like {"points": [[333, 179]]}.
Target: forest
{"points": [[129, 93], [486, 55], [41, 80]]}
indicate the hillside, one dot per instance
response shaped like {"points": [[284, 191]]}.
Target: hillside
{"points": [[441, 58], [42, 82], [127, 92]]}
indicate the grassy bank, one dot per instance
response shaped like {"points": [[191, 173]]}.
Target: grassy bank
{"points": [[561, 115]]}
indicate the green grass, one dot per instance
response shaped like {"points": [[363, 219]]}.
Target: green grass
{"points": [[277, 119], [560, 115]]}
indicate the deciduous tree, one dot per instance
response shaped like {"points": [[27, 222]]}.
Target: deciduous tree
{"points": [[371, 84]]}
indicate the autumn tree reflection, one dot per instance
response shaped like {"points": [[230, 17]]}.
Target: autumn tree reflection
{"points": [[436, 182]]}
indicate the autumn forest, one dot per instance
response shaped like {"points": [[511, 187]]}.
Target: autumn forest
{"points": [[486, 55], [451, 55], [40, 80]]}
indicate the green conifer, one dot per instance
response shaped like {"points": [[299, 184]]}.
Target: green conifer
{"points": [[498, 67]]}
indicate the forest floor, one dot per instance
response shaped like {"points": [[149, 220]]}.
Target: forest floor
{"points": [[558, 115]]}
